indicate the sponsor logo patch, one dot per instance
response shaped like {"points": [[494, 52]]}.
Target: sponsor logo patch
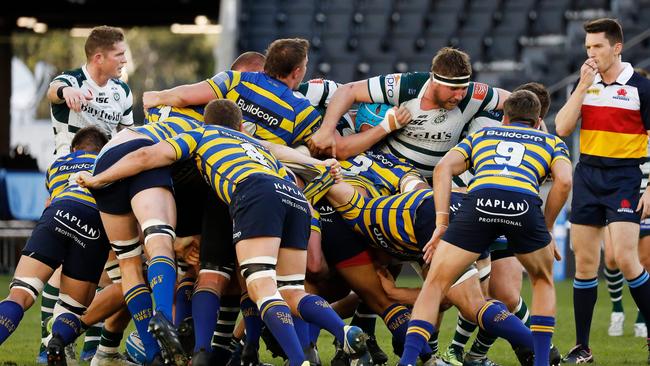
{"points": [[480, 91]]}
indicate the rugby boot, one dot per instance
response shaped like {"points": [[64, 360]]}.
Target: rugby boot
{"points": [[355, 345], [157, 361], [102, 358], [554, 357], [340, 357], [453, 356], [272, 344], [311, 354], [167, 336], [56, 352], [186, 335], [578, 354], [201, 358], [526, 356], [478, 362], [433, 360], [379, 357]]}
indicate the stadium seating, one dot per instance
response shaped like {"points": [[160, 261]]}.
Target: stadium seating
{"points": [[359, 38]]}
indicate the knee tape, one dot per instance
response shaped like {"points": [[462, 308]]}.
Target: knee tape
{"points": [[258, 267], [31, 285], [112, 268], [484, 273], [127, 248], [261, 301], [155, 227], [67, 304], [471, 271], [225, 272], [291, 282]]}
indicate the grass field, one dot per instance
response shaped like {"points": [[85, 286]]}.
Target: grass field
{"points": [[22, 347]]}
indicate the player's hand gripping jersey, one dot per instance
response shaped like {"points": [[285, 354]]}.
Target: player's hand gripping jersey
{"points": [[271, 111], [431, 133], [512, 158]]}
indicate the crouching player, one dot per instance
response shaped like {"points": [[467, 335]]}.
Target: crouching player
{"points": [[69, 233], [503, 199]]}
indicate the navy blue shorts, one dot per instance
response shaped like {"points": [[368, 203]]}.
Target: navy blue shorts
{"points": [[604, 195], [217, 252], [487, 214], [264, 205], [70, 233], [339, 241], [116, 198], [190, 196]]}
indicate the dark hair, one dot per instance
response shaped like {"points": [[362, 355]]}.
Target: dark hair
{"points": [[90, 139], [222, 112], [249, 61], [611, 27], [102, 39], [285, 55], [541, 93], [522, 106], [451, 62]]}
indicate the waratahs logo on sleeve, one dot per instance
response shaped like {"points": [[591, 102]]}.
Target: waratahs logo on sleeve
{"points": [[625, 207]]}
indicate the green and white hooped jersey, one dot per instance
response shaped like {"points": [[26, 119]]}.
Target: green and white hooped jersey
{"points": [[431, 133], [319, 92], [111, 106]]}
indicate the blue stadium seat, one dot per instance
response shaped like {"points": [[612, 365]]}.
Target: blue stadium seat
{"points": [[377, 6], [477, 22], [503, 47], [338, 5], [421, 62], [335, 45], [341, 70], [485, 6], [591, 4], [513, 22], [471, 43], [520, 5], [408, 23], [337, 23], [442, 24], [374, 23], [372, 45], [377, 65], [295, 20], [550, 18], [403, 46], [413, 5]]}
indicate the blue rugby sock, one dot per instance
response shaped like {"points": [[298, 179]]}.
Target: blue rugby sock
{"points": [[252, 321], [314, 309], [277, 317], [418, 334], [205, 310], [640, 290], [302, 331], [162, 281], [314, 333], [183, 300], [542, 328], [585, 294], [67, 326], [397, 318], [495, 318], [138, 300], [10, 315]]}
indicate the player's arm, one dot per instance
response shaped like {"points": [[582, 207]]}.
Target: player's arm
{"points": [[503, 95], [286, 153], [60, 91], [402, 295], [150, 157], [181, 96], [355, 144], [559, 192], [341, 102], [453, 163], [567, 118]]}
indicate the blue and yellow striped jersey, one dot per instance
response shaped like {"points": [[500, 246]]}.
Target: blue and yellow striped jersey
{"points": [[382, 170], [59, 184], [161, 112], [271, 111], [226, 157], [167, 128], [512, 157], [389, 221]]}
